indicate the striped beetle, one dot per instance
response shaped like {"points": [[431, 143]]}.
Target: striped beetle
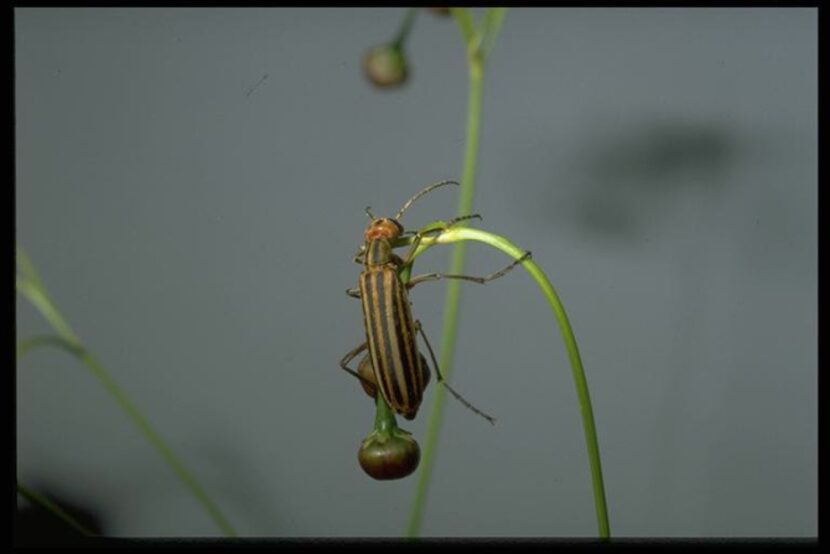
{"points": [[394, 364]]}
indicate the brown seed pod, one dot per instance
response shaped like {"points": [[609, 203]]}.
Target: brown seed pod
{"points": [[385, 456], [385, 66]]}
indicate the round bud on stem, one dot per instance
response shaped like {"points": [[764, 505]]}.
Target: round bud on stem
{"points": [[385, 66], [386, 456]]}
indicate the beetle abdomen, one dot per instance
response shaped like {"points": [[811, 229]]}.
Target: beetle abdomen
{"points": [[390, 333]]}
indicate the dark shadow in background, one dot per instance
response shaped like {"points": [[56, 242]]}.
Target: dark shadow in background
{"points": [[625, 181], [36, 526], [634, 173]]}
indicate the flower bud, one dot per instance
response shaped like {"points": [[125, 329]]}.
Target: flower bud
{"points": [[385, 456], [385, 66]]}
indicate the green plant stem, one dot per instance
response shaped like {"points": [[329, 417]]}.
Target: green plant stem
{"points": [[459, 234], [464, 20], [53, 508], [405, 28], [32, 288], [479, 42], [453, 297], [27, 345], [384, 417]]}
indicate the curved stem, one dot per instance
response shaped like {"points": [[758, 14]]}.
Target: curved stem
{"points": [[578, 373], [32, 288], [27, 345], [57, 511]]}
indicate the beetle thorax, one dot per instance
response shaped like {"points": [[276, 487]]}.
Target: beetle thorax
{"points": [[378, 252]]}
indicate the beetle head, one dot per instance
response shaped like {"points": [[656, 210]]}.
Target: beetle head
{"points": [[383, 228]]}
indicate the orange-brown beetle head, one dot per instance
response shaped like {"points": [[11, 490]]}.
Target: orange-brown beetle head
{"points": [[383, 228]]}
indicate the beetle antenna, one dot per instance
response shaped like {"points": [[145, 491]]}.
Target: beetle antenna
{"points": [[423, 192], [369, 212]]}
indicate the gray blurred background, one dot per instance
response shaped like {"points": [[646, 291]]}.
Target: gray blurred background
{"points": [[195, 222]]}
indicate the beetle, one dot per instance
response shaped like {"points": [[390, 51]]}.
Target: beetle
{"points": [[398, 368]]}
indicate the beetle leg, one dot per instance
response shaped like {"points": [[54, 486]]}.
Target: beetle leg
{"points": [[411, 252], [354, 293], [344, 363], [443, 226], [440, 378], [480, 280], [360, 255], [455, 220]]}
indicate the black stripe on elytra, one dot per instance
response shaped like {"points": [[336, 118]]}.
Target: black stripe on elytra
{"points": [[405, 344], [389, 365], [370, 321]]}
